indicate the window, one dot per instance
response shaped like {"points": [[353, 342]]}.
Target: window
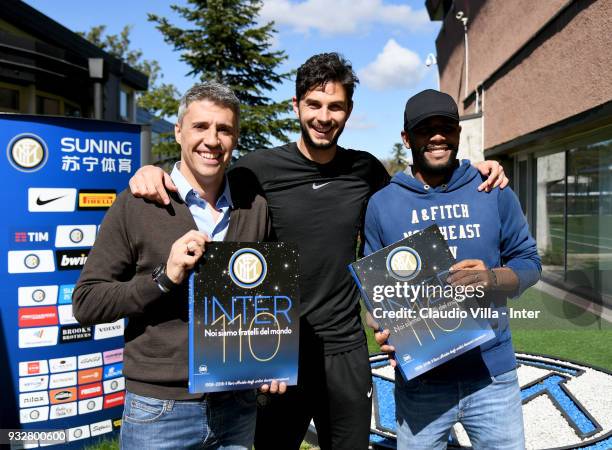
{"points": [[550, 216], [589, 216], [71, 110], [574, 216], [125, 104], [9, 99], [47, 106]]}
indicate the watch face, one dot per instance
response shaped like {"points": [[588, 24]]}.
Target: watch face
{"points": [[159, 270]]}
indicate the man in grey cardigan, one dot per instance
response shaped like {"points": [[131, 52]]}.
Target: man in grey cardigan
{"points": [[138, 269]]}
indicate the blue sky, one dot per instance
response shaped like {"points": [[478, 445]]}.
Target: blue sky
{"points": [[387, 42]]}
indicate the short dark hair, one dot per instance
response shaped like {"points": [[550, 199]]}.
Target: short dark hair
{"points": [[215, 92], [322, 68]]}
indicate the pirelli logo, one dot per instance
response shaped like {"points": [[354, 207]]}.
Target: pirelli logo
{"points": [[91, 199]]}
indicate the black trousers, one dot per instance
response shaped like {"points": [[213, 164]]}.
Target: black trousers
{"points": [[334, 390]]}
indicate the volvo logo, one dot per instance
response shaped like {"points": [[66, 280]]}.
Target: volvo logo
{"points": [[27, 152], [247, 268], [403, 263]]}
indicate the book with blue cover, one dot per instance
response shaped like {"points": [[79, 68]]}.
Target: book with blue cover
{"points": [[243, 316], [431, 322]]}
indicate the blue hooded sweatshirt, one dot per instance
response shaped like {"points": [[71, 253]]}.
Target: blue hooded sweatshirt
{"points": [[476, 225]]}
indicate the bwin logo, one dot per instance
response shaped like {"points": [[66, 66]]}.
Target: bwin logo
{"points": [[247, 268], [71, 259], [570, 397]]}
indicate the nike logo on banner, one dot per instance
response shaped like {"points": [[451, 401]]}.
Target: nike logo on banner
{"points": [[52, 199], [319, 186], [44, 202]]}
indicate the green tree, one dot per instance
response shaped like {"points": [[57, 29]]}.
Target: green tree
{"points": [[225, 43], [398, 160], [161, 99]]}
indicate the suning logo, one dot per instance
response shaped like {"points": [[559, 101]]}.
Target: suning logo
{"points": [[99, 146]]}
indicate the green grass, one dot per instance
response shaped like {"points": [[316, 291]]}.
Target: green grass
{"points": [[562, 330], [104, 444]]}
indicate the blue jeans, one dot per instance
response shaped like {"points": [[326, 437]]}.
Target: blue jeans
{"points": [[221, 421], [489, 409]]}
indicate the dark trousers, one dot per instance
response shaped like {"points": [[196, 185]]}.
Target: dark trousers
{"points": [[334, 390]]}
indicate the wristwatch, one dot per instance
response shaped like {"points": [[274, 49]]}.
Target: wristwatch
{"points": [[162, 280]]}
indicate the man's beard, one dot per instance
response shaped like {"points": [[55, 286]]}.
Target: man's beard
{"points": [[425, 166], [311, 144]]}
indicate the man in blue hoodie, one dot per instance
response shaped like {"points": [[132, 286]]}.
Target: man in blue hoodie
{"points": [[489, 237]]}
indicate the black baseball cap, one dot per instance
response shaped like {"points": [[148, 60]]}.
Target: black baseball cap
{"points": [[429, 103]]}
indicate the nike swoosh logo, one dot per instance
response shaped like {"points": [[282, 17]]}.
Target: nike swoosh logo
{"points": [[40, 202], [319, 186], [370, 393]]}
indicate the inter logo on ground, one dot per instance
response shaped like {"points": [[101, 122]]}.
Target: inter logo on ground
{"points": [[566, 405], [27, 152], [403, 263], [248, 268]]}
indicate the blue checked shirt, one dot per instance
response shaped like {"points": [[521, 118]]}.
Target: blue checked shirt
{"points": [[200, 210]]}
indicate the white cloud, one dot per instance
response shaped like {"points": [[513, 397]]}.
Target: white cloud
{"points": [[359, 122], [394, 67], [341, 16]]}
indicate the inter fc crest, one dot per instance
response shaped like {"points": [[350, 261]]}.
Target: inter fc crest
{"points": [[403, 263], [247, 268], [27, 152], [566, 405]]}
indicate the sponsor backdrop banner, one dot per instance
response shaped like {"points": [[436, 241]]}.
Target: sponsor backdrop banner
{"points": [[60, 175]]}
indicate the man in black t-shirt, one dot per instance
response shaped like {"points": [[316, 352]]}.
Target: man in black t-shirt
{"points": [[316, 192]]}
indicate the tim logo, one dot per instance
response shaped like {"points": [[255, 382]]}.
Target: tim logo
{"points": [[403, 263], [30, 236], [27, 152], [71, 259], [247, 268]]}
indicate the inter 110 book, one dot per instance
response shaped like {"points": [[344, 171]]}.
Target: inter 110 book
{"points": [[243, 316], [404, 288]]}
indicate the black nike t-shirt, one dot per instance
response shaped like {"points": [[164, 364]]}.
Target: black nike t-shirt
{"points": [[320, 207]]}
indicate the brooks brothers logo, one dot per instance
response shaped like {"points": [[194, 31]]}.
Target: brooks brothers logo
{"points": [[92, 199], [403, 263], [75, 333], [565, 404], [27, 152], [247, 268]]}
